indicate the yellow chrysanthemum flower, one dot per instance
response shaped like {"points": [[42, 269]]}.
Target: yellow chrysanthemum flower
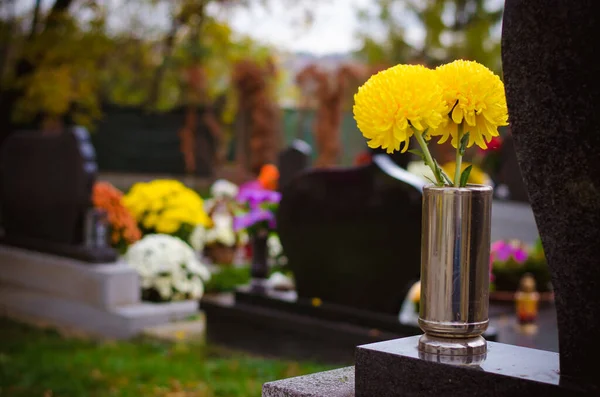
{"points": [[164, 205], [393, 100], [167, 226], [475, 97]]}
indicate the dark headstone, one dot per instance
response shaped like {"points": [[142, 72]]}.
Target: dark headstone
{"points": [[352, 236], [296, 158], [46, 187], [553, 94], [510, 172]]}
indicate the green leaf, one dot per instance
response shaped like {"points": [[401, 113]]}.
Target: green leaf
{"points": [[463, 144], [431, 180], [418, 153], [446, 177], [442, 174], [464, 177]]}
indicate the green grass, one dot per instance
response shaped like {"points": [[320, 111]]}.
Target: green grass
{"points": [[228, 278], [41, 362]]}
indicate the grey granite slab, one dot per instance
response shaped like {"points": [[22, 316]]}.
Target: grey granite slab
{"points": [[334, 383]]}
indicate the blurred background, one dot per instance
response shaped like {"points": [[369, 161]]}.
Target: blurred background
{"points": [[150, 142], [160, 85]]}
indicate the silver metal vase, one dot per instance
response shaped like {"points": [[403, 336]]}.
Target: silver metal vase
{"points": [[455, 254]]}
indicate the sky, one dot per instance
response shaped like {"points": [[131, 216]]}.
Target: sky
{"points": [[333, 29]]}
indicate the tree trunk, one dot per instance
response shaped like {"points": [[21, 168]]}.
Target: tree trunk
{"points": [[36, 18], [23, 67], [160, 72]]}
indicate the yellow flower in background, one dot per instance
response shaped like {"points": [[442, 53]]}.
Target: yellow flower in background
{"points": [[164, 206], [150, 220], [167, 226], [477, 176], [393, 100], [475, 97], [414, 293]]}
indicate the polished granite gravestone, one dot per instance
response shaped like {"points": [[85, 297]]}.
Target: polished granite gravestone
{"points": [[45, 187], [553, 95], [353, 236], [294, 159]]}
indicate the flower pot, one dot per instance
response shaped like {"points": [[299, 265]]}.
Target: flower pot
{"points": [[455, 274], [220, 254]]}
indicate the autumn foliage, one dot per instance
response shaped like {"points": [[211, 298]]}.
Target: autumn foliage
{"points": [[330, 91], [259, 112]]}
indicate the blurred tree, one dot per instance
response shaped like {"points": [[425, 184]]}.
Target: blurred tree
{"points": [[48, 70], [68, 61], [329, 90], [448, 30]]}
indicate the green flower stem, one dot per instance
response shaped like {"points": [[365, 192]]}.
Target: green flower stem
{"points": [[428, 159], [458, 156]]}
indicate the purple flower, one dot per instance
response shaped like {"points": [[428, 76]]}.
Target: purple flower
{"points": [[520, 255], [501, 250], [255, 196], [253, 217]]}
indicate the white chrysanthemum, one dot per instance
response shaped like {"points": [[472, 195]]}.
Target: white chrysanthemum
{"points": [[197, 238], [163, 286], [196, 288], [223, 188], [222, 231], [279, 280], [223, 220], [169, 265], [274, 245]]}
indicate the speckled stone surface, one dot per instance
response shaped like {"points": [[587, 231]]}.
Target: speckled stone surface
{"points": [[395, 368], [335, 383], [552, 85]]}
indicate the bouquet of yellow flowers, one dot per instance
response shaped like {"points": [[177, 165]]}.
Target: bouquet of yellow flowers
{"points": [[166, 207], [463, 101]]}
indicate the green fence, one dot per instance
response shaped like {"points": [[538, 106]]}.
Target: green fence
{"points": [[129, 140]]}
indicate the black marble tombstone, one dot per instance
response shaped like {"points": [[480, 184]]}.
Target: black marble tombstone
{"points": [[294, 159], [352, 237], [46, 186], [553, 91]]}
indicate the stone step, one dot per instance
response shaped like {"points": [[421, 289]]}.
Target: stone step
{"points": [[100, 285], [116, 323]]}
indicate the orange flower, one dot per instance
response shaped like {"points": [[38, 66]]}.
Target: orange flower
{"points": [[269, 176], [124, 226]]}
